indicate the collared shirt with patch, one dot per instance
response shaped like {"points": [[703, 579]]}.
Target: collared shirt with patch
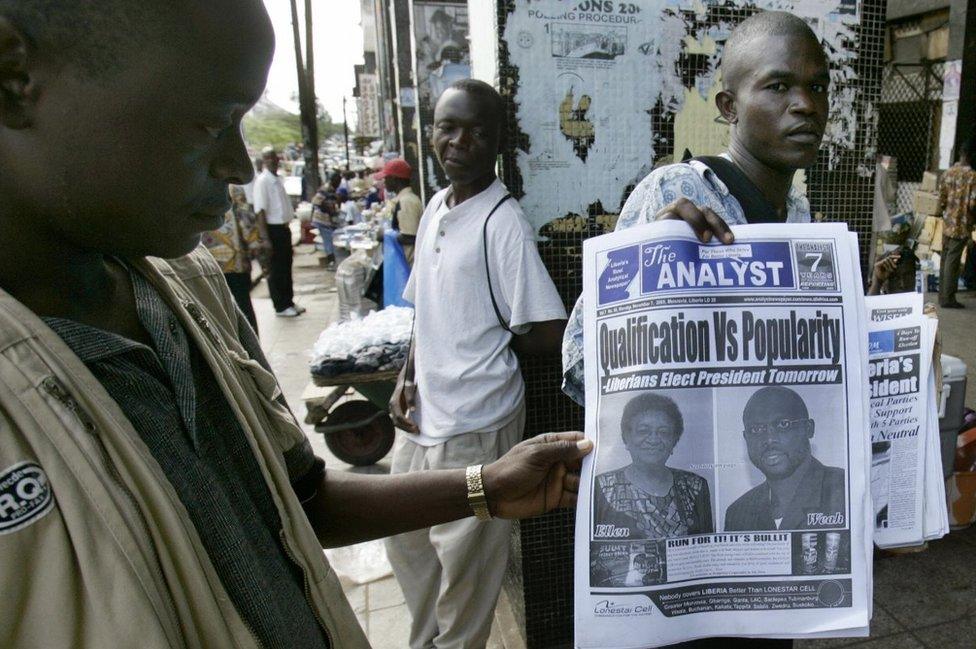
{"points": [[699, 184], [169, 394]]}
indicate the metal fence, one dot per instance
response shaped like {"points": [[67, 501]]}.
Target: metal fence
{"points": [[908, 117], [842, 190]]}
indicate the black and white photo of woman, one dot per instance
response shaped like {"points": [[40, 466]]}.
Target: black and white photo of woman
{"points": [[647, 499]]}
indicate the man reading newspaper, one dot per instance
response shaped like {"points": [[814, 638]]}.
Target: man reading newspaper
{"points": [[775, 98]]}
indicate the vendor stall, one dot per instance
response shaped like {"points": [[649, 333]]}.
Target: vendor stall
{"points": [[363, 357]]}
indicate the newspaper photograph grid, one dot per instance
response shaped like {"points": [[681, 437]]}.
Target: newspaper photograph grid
{"points": [[726, 395]]}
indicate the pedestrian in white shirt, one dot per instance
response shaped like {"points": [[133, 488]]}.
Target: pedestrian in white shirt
{"points": [[480, 291], [350, 211], [273, 209]]}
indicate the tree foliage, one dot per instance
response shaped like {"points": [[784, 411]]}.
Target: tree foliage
{"points": [[278, 127]]}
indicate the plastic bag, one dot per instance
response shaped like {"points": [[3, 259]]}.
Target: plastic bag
{"points": [[396, 270]]}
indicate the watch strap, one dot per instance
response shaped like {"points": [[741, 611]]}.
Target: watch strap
{"points": [[476, 492]]}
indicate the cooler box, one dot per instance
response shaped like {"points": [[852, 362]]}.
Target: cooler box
{"points": [[951, 408]]}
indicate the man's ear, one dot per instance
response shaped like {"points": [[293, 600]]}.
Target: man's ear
{"points": [[725, 102], [17, 94]]}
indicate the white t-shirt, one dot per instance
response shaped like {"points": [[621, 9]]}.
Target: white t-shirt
{"points": [[351, 212], [270, 196], [467, 376]]}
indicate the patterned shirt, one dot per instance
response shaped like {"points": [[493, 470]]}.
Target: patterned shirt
{"points": [[234, 243], [175, 404], [957, 200], [699, 184], [685, 509]]}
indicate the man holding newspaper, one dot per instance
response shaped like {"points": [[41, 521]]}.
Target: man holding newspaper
{"points": [[775, 98]]}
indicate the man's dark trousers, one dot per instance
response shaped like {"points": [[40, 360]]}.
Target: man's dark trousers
{"points": [[240, 288], [949, 273], [279, 267]]}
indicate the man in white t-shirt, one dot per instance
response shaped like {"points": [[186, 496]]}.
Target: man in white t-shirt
{"points": [[481, 291], [273, 209]]}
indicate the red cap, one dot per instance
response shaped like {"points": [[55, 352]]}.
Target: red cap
{"points": [[397, 168]]}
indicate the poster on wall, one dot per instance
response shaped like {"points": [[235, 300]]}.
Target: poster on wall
{"points": [[443, 57], [608, 89], [368, 117]]}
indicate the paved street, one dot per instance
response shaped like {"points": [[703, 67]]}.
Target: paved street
{"points": [[926, 599]]}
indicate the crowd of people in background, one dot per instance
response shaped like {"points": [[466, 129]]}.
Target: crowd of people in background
{"points": [[170, 497], [256, 229]]}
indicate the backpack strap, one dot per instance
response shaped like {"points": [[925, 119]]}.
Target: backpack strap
{"points": [[484, 240], [755, 207]]}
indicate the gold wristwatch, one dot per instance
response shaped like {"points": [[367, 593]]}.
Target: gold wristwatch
{"points": [[476, 492]]}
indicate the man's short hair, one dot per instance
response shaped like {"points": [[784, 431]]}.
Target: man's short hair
{"points": [[440, 16], [92, 36], [651, 402], [485, 94], [764, 23], [774, 394]]}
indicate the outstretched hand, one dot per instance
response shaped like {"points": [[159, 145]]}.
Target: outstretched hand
{"points": [[536, 476], [703, 221]]}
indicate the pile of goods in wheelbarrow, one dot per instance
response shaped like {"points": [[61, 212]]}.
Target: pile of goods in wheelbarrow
{"points": [[375, 343]]}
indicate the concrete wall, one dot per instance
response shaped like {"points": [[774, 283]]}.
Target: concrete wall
{"points": [[898, 9]]}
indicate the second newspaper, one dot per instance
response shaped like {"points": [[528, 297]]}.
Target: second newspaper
{"points": [[726, 394]]}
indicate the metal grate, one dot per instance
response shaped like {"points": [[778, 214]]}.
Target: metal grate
{"points": [[841, 189], [909, 114]]}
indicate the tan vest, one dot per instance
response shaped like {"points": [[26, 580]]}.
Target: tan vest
{"points": [[96, 549]]}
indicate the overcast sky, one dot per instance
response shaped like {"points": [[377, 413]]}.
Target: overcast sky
{"points": [[338, 47]]}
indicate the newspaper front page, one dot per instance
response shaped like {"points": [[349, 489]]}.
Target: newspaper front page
{"points": [[907, 485], [726, 394]]}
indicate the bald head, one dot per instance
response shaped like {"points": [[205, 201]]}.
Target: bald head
{"points": [[744, 49], [782, 401]]}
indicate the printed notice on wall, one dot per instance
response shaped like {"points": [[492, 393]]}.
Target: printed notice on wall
{"points": [[603, 83]]}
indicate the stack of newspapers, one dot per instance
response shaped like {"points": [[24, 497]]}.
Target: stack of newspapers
{"points": [[906, 466], [727, 394]]}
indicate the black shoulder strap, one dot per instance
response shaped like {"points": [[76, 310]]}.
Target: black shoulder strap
{"points": [[754, 205], [395, 221], [484, 239]]}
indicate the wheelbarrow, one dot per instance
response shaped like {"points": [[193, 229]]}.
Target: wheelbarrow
{"points": [[357, 431]]}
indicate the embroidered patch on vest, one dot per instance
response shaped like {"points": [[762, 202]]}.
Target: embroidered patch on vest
{"points": [[25, 496]]}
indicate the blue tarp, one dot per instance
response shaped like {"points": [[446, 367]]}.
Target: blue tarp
{"points": [[396, 270]]}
